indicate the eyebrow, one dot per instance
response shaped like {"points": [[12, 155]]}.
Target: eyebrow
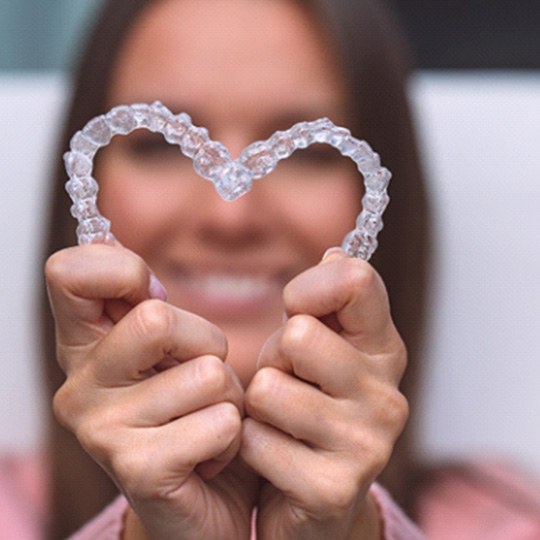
{"points": [[283, 119], [286, 119]]}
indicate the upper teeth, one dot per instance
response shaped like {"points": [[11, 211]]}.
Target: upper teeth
{"points": [[238, 286]]}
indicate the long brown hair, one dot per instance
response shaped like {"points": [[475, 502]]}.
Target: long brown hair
{"points": [[372, 56]]}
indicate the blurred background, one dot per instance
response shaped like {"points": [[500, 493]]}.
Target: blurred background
{"points": [[476, 96]]}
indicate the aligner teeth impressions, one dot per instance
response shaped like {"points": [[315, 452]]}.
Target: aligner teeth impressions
{"points": [[231, 178]]}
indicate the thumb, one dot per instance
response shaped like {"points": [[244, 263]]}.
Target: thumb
{"points": [[90, 287]]}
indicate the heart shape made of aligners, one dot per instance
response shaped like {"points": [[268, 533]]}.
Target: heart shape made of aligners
{"points": [[232, 178]]}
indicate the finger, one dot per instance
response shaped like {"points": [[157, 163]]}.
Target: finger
{"points": [[183, 389], [273, 453], [117, 309], [149, 333], [311, 481], [294, 407], [164, 458], [352, 290], [79, 279], [306, 347], [210, 433]]}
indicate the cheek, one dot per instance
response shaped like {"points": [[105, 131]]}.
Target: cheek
{"points": [[321, 212], [141, 206]]}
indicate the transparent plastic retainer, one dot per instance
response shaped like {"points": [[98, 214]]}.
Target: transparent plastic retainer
{"points": [[232, 178]]}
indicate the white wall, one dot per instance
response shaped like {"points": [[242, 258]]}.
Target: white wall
{"points": [[481, 135], [29, 114]]}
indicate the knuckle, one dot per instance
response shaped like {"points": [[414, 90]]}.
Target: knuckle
{"points": [[335, 494], [211, 372], [381, 452], [62, 268], [392, 410], [61, 262], [344, 496], [62, 405], [152, 318], [398, 411], [134, 472], [298, 333], [262, 389], [134, 269], [377, 442], [68, 401], [400, 354], [97, 432], [376, 450], [88, 433], [90, 422], [55, 266], [356, 274], [230, 420]]}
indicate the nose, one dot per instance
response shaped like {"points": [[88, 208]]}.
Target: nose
{"points": [[231, 225], [244, 223]]}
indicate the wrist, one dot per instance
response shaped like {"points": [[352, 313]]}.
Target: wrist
{"points": [[367, 525], [133, 528]]}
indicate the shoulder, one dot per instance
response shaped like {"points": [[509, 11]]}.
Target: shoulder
{"points": [[22, 495], [481, 500]]}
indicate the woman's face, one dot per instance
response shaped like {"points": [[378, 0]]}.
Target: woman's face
{"points": [[242, 69]]}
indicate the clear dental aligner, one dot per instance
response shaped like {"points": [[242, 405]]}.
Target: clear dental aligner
{"points": [[231, 178]]}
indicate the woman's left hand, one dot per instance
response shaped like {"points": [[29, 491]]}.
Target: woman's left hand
{"points": [[324, 409]]}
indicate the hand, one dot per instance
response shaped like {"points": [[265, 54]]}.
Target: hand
{"points": [[149, 397], [324, 410]]}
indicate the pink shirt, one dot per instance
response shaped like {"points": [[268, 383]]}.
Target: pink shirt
{"points": [[493, 502], [108, 525], [22, 497], [507, 507]]}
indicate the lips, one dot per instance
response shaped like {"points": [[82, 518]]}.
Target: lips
{"points": [[218, 294]]}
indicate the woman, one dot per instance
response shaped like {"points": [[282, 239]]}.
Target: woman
{"points": [[143, 51], [232, 91]]}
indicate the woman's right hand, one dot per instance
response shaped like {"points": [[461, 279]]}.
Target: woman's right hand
{"points": [[149, 396]]}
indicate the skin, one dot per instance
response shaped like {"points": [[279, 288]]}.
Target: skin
{"points": [[241, 94], [210, 403]]}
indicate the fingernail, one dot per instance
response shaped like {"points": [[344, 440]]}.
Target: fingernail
{"points": [[284, 318], [156, 289], [333, 252]]}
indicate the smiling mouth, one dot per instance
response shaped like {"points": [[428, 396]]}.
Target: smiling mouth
{"points": [[224, 293], [233, 287]]}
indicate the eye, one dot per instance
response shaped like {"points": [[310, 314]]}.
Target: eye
{"points": [[149, 147], [317, 155]]}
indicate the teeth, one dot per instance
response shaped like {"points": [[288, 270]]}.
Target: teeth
{"points": [[234, 286]]}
